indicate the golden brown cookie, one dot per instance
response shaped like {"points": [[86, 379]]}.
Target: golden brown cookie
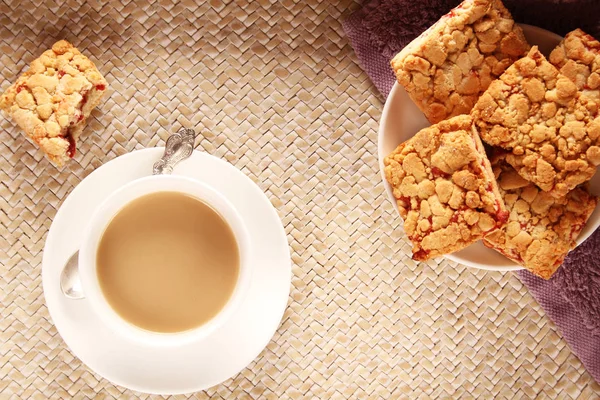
{"points": [[446, 68], [445, 188], [541, 229], [52, 99], [578, 58], [550, 130]]}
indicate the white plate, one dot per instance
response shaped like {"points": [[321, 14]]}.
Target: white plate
{"points": [[401, 119], [195, 366]]}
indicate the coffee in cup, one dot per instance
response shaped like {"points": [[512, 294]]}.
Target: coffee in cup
{"points": [[167, 262]]}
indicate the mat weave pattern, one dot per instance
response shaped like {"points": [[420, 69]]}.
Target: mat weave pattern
{"points": [[275, 89]]}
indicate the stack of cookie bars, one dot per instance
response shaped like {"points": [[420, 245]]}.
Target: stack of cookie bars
{"points": [[477, 79]]}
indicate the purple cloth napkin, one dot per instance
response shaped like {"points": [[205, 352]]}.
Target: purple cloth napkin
{"points": [[382, 27]]}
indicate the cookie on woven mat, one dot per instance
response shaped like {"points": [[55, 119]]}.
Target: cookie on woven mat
{"points": [[550, 130], [445, 189], [448, 66], [541, 229], [53, 98]]}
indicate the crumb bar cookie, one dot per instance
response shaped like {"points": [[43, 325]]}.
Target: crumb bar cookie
{"points": [[541, 229], [52, 99], [446, 68], [551, 132], [578, 58], [445, 188]]}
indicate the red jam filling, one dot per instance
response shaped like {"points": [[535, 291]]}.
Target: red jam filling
{"points": [[61, 74], [458, 212], [72, 146], [438, 173], [594, 43], [427, 232], [20, 87], [406, 200], [523, 225], [84, 99], [502, 216], [100, 87], [420, 255], [576, 230]]}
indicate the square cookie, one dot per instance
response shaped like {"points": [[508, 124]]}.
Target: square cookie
{"points": [[550, 131], [541, 229], [445, 189], [52, 99], [578, 58], [448, 66]]}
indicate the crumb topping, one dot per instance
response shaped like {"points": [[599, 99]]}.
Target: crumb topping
{"points": [[550, 131], [452, 63], [541, 229], [578, 58], [444, 188], [51, 99]]}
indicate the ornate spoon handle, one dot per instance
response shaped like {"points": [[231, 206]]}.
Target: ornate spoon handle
{"points": [[179, 146]]}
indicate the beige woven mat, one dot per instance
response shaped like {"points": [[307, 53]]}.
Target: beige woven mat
{"points": [[276, 90]]}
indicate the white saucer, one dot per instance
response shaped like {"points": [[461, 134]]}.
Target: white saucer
{"points": [[192, 367], [401, 119]]}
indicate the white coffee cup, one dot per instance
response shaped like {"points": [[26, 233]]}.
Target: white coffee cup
{"points": [[99, 222]]}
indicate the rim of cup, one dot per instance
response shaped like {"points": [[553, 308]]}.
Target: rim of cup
{"points": [[104, 214]]}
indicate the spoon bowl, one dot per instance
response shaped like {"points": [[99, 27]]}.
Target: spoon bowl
{"points": [[69, 278]]}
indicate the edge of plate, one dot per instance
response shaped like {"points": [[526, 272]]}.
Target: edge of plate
{"points": [[510, 266], [187, 391]]}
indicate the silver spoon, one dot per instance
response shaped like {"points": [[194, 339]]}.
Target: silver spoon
{"points": [[179, 146]]}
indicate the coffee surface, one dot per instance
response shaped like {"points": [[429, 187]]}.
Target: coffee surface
{"points": [[167, 262]]}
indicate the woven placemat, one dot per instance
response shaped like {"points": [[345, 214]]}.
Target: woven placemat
{"points": [[275, 88]]}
